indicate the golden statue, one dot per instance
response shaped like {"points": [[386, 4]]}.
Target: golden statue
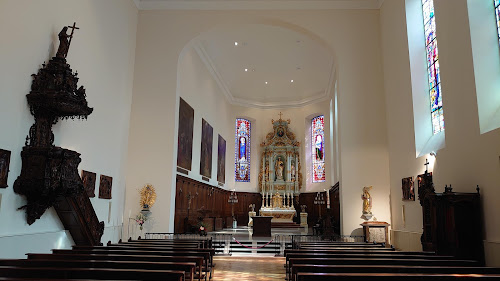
{"points": [[277, 201], [148, 196], [367, 200]]}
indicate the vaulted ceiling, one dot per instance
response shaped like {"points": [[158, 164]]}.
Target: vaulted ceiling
{"points": [[261, 65]]}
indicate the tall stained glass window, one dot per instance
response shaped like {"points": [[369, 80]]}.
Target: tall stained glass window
{"points": [[242, 150], [497, 12], [318, 148], [433, 66]]}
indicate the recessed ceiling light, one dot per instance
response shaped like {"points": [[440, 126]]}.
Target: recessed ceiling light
{"points": [[236, 43], [266, 82], [246, 69], [253, 69], [291, 81]]}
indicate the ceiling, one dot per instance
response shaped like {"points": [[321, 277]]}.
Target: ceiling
{"points": [[256, 4], [271, 54]]}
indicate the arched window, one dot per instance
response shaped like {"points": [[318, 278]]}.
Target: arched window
{"points": [[318, 148], [242, 150], [433, 66], [497, 13]]}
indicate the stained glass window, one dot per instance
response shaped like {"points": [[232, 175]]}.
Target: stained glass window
{"points": [[431, 47], [497, 13], [318, 148], [242, 150]]}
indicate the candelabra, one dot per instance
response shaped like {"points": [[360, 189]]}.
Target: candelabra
{"points": [[233, 199], [319, 200]]}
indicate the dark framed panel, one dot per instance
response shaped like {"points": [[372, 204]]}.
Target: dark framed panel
{"points": [[207, 139], [105, 185], [88, 179], [4, 167], [185, 135], [221, 160], [408, 189]]}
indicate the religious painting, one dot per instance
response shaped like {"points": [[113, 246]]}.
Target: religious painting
{"points": [[318, 148], [221, 160], [4, 167], [424, 185], [408, 189], [88, 179], [105, 185], [242, 150], [207, 135], [185, 135]]}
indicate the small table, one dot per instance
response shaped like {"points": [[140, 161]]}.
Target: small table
{"points": [[261, 226], [376, 224]]}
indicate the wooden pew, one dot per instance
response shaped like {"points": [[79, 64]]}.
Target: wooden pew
{"points": [[186, 267], [389, 269], [166, 252], [304, 276], [90, 273], [210, 251], [386, 261], [195, 259]]}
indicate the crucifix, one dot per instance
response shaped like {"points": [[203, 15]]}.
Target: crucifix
{"points": [[71, 35], [280, 114], [426, 165]]}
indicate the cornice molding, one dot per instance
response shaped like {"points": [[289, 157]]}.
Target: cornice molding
{"points": [[205, 58], [257, 5]]}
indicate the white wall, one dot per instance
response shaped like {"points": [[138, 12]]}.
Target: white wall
{"points": [[469, 158], [102, 52], [353, 38]]}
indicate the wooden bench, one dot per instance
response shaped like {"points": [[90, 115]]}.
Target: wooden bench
{"points": [[304, 276], [89, 273], [158, 259], [389, 269], [166, 252], [379, 261], [186, 267]]}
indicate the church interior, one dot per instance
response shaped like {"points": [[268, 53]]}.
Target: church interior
{"points": [[148, 118]]}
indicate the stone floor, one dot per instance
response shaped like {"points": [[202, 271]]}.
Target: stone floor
{"points": [[249, 268]]}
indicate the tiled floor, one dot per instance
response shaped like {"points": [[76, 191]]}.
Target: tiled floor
{"points": [[249, 268]]}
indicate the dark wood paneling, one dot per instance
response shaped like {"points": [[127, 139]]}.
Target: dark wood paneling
{"points": [[313, 210], [212, 200]]}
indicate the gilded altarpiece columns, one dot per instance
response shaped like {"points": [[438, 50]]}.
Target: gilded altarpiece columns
{"points": [[280, 177]]}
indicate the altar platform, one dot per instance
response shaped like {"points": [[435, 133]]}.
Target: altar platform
{"points": [[244, 233]]}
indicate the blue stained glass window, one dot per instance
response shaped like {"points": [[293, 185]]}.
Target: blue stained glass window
{"points": [[242, 150], [497, 13], [318, 148], [431, 46]]}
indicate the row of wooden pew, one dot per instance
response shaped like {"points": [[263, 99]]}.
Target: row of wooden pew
{"points": [[162, 259], [329, 260]]}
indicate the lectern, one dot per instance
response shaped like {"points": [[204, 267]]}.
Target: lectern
{"points": [[261, 226]]}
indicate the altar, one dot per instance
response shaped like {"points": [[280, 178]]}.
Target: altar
{"points": [[279, 215], [280, 177]]}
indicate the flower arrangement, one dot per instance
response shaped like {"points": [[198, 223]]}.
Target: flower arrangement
{"points": [[201, 229], [140, 219]]}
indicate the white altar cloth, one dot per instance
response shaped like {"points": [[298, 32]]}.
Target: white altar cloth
{"points": [[278, 214]]}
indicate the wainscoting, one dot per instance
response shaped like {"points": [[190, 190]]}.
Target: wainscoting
{"points": [[406, 240]]}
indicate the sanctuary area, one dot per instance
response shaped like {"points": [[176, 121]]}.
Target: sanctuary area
{"points": [[250, 140]]}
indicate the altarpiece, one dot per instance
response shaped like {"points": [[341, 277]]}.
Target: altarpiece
{"points": [[280, 178]]}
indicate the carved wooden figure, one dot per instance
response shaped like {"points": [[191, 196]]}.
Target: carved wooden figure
{"points": [[4, 167]]}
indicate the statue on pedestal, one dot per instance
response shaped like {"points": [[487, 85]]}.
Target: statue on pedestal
{"points": [[277, 201], [367, 203], [279, 169]]}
